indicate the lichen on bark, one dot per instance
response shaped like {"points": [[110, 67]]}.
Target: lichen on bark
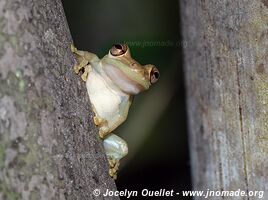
{"points": [[226, 84], [48, 144]]}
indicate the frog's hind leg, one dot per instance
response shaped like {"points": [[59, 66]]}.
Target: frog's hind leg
{"points": [[116, 148]]}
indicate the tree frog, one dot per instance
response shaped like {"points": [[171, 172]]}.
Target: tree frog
{"points": [[111, 83]]}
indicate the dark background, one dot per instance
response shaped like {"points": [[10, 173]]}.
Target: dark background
{"points": [[156, 126]]}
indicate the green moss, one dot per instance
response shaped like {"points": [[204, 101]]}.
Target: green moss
{"points": [[2, 38], [31, 158], [34, 160], [47, 103], [18, 73], [256, 36], [21, 83], [2, 155], [261, 86], [14, 41], [14, 86], [34, 195], [8, 193]]}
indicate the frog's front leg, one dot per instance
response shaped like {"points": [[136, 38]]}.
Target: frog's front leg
{"points": [[84, 59], [87, 69], [84, 55], [116, 148], [106, 127], [101, 123]]}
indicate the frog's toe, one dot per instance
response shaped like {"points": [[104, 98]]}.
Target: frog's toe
{"points": [[87, 70], [96, 120], [73, 48], [115, 148], [84, 76], [99, 121], [113, 174], [103, 126], [114, 166], [76, 69], [103, 131], [82, 64]]}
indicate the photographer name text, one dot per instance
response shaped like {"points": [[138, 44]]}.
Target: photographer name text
{"points": [[144, 192]]}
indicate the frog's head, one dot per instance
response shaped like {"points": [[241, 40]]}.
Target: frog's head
{"points": [[130, 76]]}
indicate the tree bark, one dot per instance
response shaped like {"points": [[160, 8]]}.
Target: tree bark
{"points": [[49, 147], [226, 65]]}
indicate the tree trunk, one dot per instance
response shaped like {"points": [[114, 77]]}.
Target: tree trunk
{"points": [[226, 65], [49, 147]]}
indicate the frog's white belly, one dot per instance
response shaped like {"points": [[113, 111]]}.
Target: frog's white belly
{"points": [[105, 98]]}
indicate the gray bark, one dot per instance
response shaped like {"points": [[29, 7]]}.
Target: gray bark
{"points": [[49, 147], [226, 65]]}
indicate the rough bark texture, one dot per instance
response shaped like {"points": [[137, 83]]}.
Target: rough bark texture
{"points": [[48, 144], [226, 65]]}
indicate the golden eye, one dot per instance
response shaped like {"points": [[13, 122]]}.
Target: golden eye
{"points": [[154, 75], [118, 49]]}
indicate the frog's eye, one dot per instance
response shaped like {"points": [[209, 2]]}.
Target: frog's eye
{"points": [[154, 75], [118, 49]]}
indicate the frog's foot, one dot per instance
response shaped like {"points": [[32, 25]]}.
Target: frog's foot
{"points": [[73, 48], [87, 70], [115, 148], [83, 63], [103, 132], [79, 57], [98, 121], [103, 126], [114, 166]]}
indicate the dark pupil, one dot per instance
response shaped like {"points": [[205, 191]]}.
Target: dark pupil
{"points": [[118, 46], [156, 75]]}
